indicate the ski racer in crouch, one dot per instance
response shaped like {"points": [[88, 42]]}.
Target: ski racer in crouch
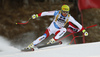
{"points": [[62, 17]]}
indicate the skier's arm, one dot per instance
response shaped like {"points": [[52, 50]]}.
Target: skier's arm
{"points": [[78, 25], [47, 13], [72, 20]]}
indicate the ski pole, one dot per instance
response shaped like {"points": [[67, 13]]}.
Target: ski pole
{"points": [[24, 22], [91, 26], [74, 38]]}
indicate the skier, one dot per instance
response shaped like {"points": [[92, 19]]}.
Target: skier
{"points": [[62, 17]]}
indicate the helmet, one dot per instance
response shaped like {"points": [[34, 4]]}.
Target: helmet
{"points": [[65, 8]]}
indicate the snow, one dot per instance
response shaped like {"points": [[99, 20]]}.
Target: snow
{"points": [[64, 50]]}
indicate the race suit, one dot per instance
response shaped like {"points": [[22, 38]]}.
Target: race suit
{"points": [[57, 25]]}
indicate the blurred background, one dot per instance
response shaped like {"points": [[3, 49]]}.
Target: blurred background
{"points": [[12, 11]]}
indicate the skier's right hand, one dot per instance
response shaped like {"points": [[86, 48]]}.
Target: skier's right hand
{"points": [[34, 16]]}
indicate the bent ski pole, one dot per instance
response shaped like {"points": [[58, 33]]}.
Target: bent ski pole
{"points": [[25, 22]]}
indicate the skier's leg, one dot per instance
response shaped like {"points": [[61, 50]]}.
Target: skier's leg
{"points": [[39, 39], [49, 31], [58, 34]]}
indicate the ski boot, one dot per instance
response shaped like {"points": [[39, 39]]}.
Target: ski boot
{"points": [[51, 41], [30, 47]]}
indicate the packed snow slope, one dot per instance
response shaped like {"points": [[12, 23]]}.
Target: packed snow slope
{"points": [[77, 50]]}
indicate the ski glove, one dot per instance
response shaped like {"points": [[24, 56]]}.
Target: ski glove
{"points": [[34, 16], [85, 32]]}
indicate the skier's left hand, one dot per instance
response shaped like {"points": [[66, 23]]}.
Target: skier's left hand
{"points": [[85, 33]]}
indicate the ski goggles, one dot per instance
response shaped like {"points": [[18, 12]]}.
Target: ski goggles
{"points": [[66, 12]]}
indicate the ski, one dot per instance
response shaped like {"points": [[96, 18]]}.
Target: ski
{"points": [[45, 45], [26, 50]]}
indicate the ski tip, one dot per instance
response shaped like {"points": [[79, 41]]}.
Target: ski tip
{"points": [[27, 50]]}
